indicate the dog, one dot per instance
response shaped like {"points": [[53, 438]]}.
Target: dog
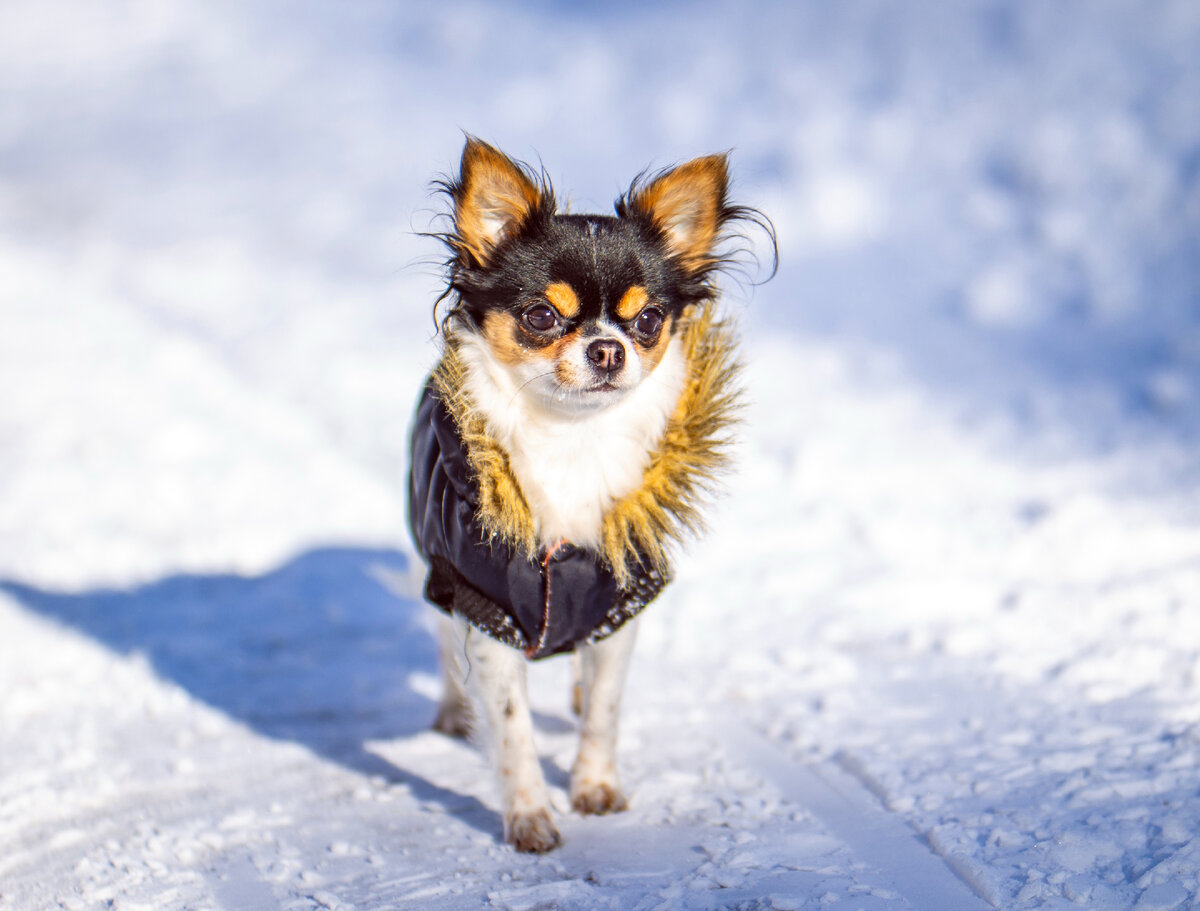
{"points": [[564, 445]]}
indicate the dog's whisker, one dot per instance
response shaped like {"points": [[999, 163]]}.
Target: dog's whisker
{"points": [[532, 379]]}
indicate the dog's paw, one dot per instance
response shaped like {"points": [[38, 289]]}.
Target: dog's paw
{"points": [[453, 718], [532, 833], [597, 797]]}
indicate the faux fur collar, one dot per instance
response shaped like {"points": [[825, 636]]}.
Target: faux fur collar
{"points": [[645, 525]]}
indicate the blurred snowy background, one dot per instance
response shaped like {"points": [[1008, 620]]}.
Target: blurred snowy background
{"points": [[215, 310], [1004, 197]]}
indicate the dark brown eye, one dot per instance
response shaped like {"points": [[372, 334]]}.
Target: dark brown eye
{"points": [[649, 322], [541, 318]]}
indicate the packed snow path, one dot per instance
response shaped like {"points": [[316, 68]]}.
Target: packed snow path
{"points": [[872, 645], [941, 649]]}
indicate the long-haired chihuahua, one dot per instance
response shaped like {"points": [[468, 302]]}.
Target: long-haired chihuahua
{"points": [[565, 443]]}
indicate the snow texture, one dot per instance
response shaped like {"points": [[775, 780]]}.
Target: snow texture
{"points": [[942, 647]]}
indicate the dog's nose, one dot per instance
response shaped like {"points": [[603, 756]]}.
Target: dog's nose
{"points": [[606, 354]]}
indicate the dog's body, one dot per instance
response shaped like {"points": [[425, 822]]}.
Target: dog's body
{"points": [[562, 444]]}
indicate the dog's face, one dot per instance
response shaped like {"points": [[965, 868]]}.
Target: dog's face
{"points": [[579, 309]]}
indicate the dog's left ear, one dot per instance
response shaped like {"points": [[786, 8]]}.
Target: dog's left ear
{"points": [[687, 204], [492, 199]]}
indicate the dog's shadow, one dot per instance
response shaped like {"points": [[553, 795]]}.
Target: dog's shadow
{"points": [[319, 652]]}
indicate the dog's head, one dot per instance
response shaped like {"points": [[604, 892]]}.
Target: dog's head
{"points": [[580, 309]]}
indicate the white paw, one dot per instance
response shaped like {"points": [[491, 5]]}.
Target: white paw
{"points": [[532, 833], [597, 797]]}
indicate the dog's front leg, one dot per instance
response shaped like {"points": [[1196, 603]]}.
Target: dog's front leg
{"points": [[498, 682], [594, 785], [454, 711]]}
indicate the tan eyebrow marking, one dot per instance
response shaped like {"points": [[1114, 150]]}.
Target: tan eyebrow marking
{"points": [[632, 302], [562, 296]]}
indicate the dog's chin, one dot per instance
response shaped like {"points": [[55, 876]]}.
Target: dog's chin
{"points": [[571, 400]]}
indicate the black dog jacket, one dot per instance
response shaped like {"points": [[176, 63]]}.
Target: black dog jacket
{"points": [[543, 604]]}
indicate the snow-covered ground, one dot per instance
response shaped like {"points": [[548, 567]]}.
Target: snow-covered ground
{"points": [[942, 648]]}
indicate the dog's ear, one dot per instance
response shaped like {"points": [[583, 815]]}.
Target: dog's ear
{"points": [[687, 204], [493, 197]]}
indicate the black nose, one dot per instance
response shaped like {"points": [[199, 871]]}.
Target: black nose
{"points": [[606, 354]]}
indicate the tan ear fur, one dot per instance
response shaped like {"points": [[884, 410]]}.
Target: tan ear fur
{"points": [[686, 204], [493, 199]]}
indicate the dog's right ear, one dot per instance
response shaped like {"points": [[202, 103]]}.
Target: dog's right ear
{"points": [[493, 197]]}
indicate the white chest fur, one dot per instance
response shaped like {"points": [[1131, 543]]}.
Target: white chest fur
{"points": [[573, 466]]}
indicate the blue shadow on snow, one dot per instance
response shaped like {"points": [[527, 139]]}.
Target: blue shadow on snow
{"points": [[318, 652]]}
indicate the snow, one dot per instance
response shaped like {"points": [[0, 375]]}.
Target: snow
{"points": [[941, 649]]}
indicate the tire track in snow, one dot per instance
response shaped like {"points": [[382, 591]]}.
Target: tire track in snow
{"points": [[851, 812]]}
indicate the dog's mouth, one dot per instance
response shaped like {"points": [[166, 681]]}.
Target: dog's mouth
{"points": [[596, 394], [599, 394], [604, 387]]}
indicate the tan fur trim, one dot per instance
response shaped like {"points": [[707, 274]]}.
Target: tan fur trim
{"points": [[683, 471], [502, 511]]}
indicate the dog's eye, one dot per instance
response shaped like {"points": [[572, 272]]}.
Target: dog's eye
{"points": [[649, 322], [541, 318]]}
